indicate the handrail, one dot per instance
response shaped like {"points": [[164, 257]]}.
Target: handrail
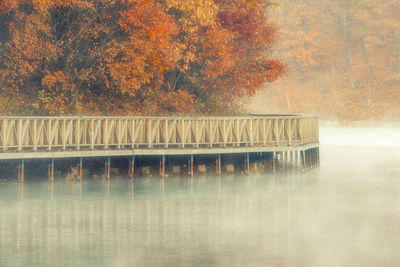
{"points": [[112, 133]]}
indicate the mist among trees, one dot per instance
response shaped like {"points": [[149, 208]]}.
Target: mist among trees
{"points": [[342, 58]]}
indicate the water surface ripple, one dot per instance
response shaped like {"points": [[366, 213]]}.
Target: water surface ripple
{"points": [[345, 213]]}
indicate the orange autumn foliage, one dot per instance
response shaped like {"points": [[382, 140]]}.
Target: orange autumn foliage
{"points": [[133, 57]]}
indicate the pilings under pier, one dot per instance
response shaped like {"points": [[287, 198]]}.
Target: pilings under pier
{"points": [[166, 165]]}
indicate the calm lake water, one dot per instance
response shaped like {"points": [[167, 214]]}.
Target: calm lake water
{"points": [[345, 213]]}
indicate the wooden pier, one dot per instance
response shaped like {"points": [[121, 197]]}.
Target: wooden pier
{"points": [[291, 138]]}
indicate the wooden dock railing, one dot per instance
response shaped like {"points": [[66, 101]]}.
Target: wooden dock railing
{"points": [[18, 134]]}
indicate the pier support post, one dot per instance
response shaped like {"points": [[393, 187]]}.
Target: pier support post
{"points": [[107, 167], [247, 163], [162, 166], [307, 159], [21, 171], [273, 162], [51, 170], [80, 168], [131, 168], [218, 164], [190, 165], [313, 158]]}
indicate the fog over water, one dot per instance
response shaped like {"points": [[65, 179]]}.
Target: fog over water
{"points": [[345, 213]]}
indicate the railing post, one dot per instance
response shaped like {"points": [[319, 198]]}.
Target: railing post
{"points": [[289, 132], [149, 130], [251, 130], [3, 134], [78, 133], [197, 137], [19, 134], [34, 134], [49, 142], [237, 132], [166, 131]]}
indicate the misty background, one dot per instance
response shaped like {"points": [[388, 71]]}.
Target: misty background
{"points": [[342, 60]]}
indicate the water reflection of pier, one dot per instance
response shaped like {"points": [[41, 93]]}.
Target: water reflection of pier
{"points": [[186, 218], [157, 145]]}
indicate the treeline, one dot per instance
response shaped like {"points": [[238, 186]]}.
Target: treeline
{"points": [[343, 59], [133, 57]]}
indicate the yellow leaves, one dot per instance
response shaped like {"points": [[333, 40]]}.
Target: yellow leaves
{"points": [[203, 12]]}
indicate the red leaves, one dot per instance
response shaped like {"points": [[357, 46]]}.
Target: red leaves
{"points": [[239, 22], [274, 69]]}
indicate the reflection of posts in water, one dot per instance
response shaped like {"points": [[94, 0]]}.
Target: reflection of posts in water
{"points": [[218, 183], [80, 187], [162, 187], [309, 159], [131, 187], [108, 187], [191, 185], [114, 225], [247, 164], [21, 191], [51, 190]]}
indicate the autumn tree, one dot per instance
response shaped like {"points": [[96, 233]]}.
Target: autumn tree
{"points": [[133, 56]]}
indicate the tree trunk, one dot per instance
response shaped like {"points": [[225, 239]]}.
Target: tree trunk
{"points": [[347, 31]]}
